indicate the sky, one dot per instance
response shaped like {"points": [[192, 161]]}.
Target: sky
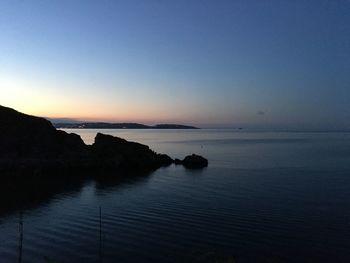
{"points": [[264, 64]]}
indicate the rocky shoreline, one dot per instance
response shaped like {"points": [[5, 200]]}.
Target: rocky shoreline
{"points": [[33, 144]]}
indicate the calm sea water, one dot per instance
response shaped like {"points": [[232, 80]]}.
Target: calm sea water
{"points": [[265, 197]]}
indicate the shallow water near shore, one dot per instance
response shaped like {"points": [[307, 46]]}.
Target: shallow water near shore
{"points": [[265, 197]]}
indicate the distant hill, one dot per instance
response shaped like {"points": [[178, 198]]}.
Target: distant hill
{"points": [[62, 120], [106, 125]]}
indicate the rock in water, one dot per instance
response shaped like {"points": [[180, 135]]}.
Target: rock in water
{"points": [[110, 151], [194, 161]]}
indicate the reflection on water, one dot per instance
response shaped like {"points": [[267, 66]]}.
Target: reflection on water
{"points": [[265, 197], [27, 197]]}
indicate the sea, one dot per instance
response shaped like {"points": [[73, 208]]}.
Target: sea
{"points": [[266, 196]]}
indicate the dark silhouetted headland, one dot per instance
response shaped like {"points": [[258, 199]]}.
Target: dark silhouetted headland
{"points": [[29, 143]]}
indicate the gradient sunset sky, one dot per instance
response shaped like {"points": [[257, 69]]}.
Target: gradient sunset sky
{"points": [[211, 63]]}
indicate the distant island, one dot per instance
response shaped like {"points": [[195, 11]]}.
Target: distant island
{"points": [[106, 125]]}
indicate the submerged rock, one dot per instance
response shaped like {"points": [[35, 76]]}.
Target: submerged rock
{"points": [[194, 161]]}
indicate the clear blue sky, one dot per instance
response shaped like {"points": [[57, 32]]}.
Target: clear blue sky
{"points": [[210, 63]]}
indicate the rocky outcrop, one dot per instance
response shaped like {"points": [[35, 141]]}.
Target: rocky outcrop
{"points": [[194, 162], [110, 151], [31, 141]]}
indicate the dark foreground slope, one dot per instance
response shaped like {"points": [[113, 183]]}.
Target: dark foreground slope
{"points": [[27, 141]]}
